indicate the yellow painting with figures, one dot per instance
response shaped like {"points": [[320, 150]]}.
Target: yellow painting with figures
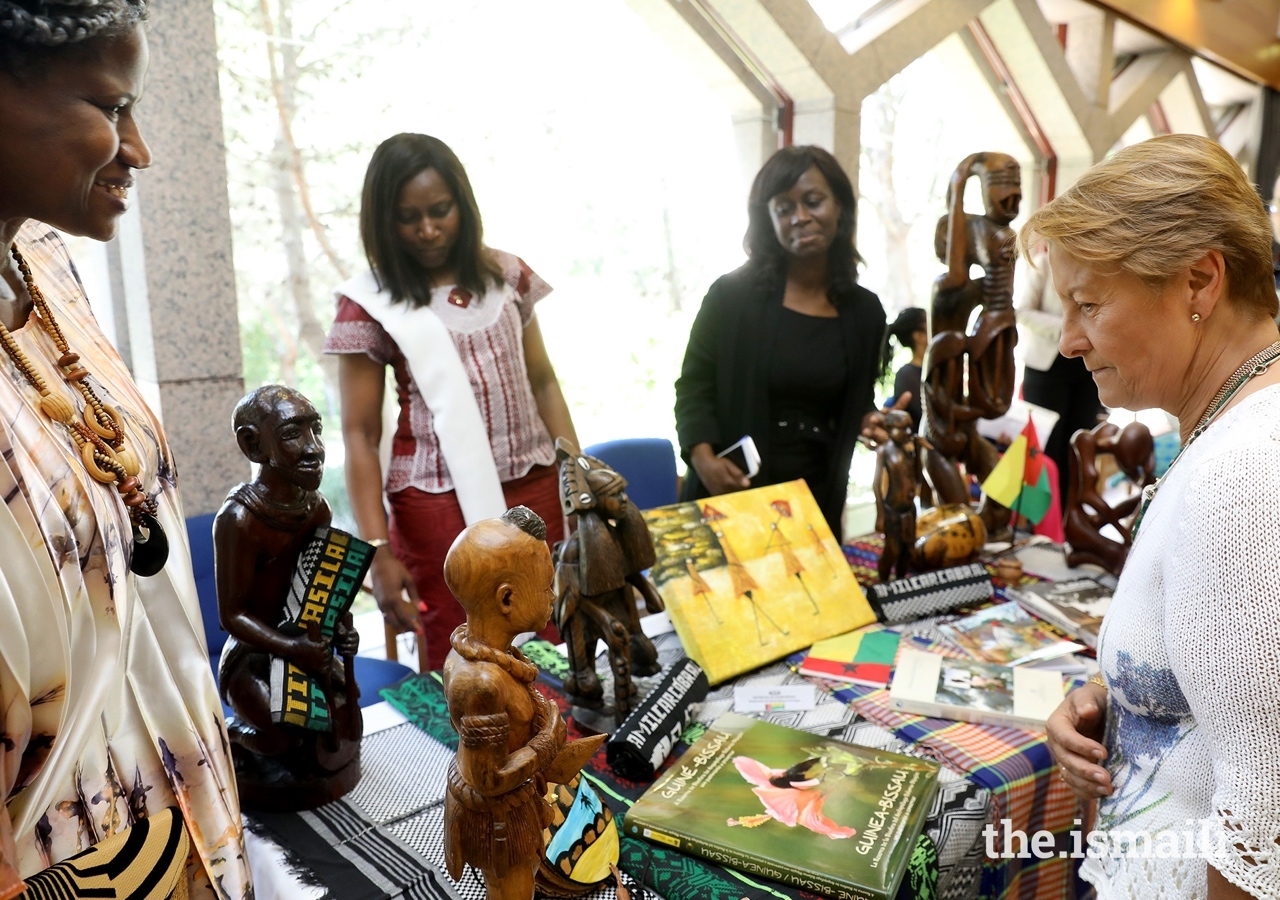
{"points": [[750, 577]]}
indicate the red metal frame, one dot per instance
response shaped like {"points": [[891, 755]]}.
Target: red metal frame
{"points": [[784, 118], [1049, 184]]}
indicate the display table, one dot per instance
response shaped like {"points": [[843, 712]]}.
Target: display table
{"points": [[953, 868], [1013, 764], [385, 839]]}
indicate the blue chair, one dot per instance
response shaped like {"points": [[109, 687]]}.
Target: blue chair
{"points": [[648, 464], [372, 674]]}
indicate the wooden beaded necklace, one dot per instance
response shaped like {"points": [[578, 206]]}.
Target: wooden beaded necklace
{"points": [[98, 434]]}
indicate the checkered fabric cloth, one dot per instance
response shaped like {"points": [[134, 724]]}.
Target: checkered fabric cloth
{"points": [[1014, 765]]}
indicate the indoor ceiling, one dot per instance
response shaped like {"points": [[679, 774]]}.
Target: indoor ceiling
{"points": [[1241, 34], [1223, 88]]}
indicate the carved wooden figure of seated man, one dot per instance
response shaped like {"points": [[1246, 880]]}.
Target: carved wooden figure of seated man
{"points": [[259, 533]]}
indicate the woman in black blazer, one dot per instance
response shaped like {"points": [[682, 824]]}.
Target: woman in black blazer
{"points": [[786, 348]]}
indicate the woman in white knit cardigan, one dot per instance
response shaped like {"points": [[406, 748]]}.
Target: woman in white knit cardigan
{"points": [[1162, 258]]}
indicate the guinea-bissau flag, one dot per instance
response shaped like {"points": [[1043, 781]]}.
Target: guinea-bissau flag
{"points": [[1020, 480]]}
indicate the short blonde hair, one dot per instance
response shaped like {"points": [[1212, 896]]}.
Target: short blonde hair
{"points": [[1158, 206]]}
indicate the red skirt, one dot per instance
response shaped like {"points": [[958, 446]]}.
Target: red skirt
{"points": [[422, 528]]}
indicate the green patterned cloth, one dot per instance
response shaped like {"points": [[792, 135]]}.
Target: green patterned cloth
{"points": [[420, 699]]}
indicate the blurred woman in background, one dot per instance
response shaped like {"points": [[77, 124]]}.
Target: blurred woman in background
{"points": [[911, 330]]}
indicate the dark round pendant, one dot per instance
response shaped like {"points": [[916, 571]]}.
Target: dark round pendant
{"points": [[150, 550]]}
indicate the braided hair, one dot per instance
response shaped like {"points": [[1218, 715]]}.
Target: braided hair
{"points": [[31, 29]]}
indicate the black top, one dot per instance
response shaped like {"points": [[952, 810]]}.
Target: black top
{"points": [[807, 379], [723, 391], [908, 379]]}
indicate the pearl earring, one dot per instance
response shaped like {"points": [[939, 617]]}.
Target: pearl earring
{"points": [[1195, 317]]}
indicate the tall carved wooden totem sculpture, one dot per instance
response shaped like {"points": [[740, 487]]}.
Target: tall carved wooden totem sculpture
{"points": [[969, 375]]}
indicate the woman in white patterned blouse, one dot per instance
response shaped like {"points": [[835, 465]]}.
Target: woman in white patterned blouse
{"points": [[480, 405]]}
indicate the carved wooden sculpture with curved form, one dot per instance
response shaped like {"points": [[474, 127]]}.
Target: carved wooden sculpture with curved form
{"points": [[970, 376], [1088, 512]]}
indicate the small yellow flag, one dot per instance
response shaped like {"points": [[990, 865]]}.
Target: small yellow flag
{"points": [[1005, 481]]}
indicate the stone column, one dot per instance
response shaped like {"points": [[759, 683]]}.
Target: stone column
{"points": [[172, 260]]}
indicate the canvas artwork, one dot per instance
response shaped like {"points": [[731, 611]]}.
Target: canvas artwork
{"points": [[749, 577]]}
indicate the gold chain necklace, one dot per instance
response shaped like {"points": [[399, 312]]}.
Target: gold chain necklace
{"points": [[1250, 369], [98, 434]]}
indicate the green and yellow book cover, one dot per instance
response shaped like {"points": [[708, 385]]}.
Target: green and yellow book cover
{"points": [[750, 577], [809, 811]]}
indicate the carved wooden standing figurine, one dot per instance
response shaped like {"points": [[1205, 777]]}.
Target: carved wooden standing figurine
{"points": [[258, 535], [991, 365], [511, 738], [596, 568], [970, 376], [1088, 512], [896, 483]]}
